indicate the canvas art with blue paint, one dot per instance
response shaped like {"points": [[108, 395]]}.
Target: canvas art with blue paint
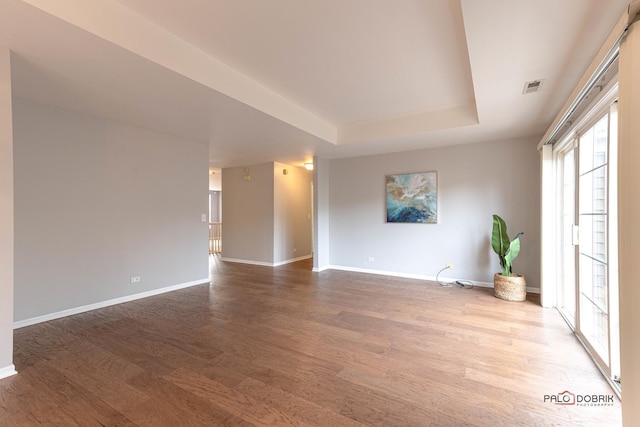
{"points": [[412, 198]]}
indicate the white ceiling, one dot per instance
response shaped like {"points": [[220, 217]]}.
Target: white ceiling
{"points": [[284, 80]]}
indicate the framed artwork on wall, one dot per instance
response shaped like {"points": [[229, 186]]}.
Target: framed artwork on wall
{"points": [[412, 198]]}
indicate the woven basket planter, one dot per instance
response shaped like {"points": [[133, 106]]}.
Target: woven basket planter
{"points": [[512, 288]]}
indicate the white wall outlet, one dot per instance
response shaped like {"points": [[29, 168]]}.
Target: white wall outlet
{"points": [[450, 266], [135, 279], [371, 259], [204, 217]]}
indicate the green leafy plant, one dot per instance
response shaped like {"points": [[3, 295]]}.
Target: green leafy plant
{"points": [[506, 249]]}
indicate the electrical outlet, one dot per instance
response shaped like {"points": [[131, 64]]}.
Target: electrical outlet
{"points": [[450, 266], [371, 259], [135, 279]]}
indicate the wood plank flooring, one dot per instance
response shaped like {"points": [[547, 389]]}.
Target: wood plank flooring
{"points": [[287, 347]]}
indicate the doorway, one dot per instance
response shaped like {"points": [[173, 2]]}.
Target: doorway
{"points": [[215, 222]]}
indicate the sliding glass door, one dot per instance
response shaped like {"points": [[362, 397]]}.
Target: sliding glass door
{"points": [[588, 291]]}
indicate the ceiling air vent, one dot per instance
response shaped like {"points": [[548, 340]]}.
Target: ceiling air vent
{"points": [[532, 86]]}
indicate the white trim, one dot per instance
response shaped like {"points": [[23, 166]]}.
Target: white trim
{"points": [[102, 304], [320, 269], [8, 371], [266, 264], [418, 276], [289, 261], [247, 261]]}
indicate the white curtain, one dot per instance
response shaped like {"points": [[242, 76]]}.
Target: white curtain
{"points": [[6, 218], [629, 222]]}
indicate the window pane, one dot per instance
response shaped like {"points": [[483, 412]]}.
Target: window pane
{"points": [[593, 236], [593, 280], [594, 326], [601, 134], [586, 151], [593, 146], [593, 191]]}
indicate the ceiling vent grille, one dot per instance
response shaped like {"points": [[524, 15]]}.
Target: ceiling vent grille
{"points": [[532, 86]]}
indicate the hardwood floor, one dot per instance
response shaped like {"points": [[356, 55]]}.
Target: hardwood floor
{"points": [[285, 346]]}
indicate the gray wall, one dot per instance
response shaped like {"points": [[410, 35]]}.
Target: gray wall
{"points": [[247, 212], [292, 213], [321, 258], [266, 220], [474, 182], [97, 202]]}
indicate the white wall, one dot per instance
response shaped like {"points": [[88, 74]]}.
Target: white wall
{"points": [[6, 218], [474, 182], [292, 213], [97, 202], [247, 214]]}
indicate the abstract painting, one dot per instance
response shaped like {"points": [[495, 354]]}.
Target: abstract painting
{"points": [[413, 197]]}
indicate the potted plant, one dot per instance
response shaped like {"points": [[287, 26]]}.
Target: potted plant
{"points": [[507, 285]]}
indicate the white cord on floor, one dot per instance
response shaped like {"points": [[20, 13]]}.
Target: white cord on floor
{"points": [[462, 283], [438, 280]]}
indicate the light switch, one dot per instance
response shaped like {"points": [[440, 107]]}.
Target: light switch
{"points": [[204, 217]]}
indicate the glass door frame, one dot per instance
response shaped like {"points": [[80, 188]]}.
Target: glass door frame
{"points": [[605, 107]]}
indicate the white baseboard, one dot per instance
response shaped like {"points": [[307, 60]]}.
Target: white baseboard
{"points": [[415, 276], [266, 264], [319, 269], [102, 304], [7, 371], [247, 261], [289, 261]]}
